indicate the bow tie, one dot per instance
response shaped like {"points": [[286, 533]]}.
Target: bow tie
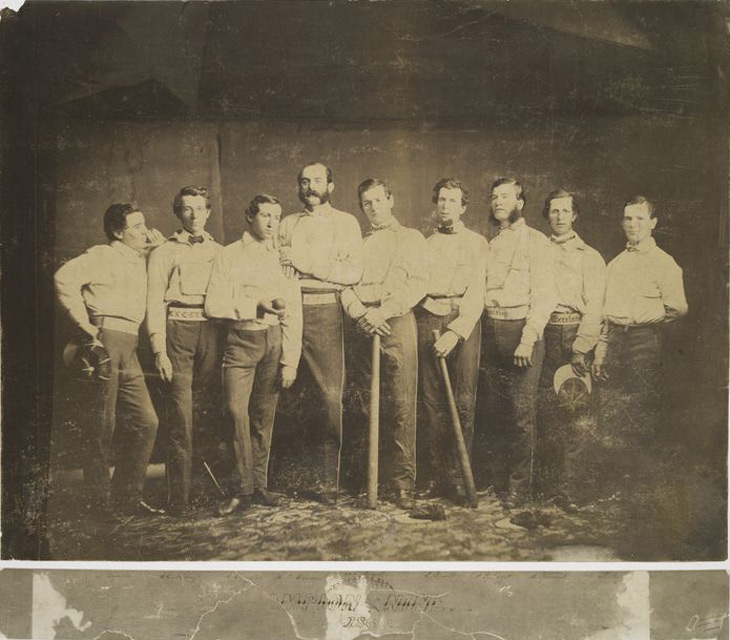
{"points": [[447, 230], [562, 240], [196, 239]]}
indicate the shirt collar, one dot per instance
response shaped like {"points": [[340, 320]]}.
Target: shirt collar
{"points": [[182, 236], [248, 239], [126, 251], [570, 240], [457, 227], [643, 246], [517, 225], [392, 225], [324, 211]]}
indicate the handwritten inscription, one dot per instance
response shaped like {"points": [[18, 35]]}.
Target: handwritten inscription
{"points": [[350, 602]]}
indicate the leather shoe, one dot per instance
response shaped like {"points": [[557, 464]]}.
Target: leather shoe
{"points": [[404, 499], [228, 506], [141, 508], [266, 498]]}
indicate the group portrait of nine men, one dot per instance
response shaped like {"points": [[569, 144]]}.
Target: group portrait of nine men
{"points": [[281, 296]]}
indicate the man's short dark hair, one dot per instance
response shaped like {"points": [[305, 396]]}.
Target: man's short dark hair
{"points": [[519, 189], [371, 183], [330, 175], [554, 195], [189, 191], [255, 205], [115, 218], [450, 183], [642, 200]]}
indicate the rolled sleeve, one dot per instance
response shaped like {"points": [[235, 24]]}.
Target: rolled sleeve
{"points": [[543, 290], [594, 286]]}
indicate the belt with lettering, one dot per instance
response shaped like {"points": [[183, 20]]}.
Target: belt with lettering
{"points": [[565, 318], [319, 297], [508, 313], [115, 324], [188, 314]]}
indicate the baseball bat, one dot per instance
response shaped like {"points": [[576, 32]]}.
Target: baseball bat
{"points": [[463, 454], [374, 425]]}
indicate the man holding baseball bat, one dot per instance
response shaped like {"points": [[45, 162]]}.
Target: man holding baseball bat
{"points": [[521, 294], [455, 301], [104, 293], [186, 345], [262, 347], [393, 282]]}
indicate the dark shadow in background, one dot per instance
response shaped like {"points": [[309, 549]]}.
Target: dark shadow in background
{"points": [[118, 101]]}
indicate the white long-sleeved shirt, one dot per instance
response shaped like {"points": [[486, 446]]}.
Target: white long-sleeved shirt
{"points": [[108, 280], [246, 272], [394, 275], [457, 266], [177, 271]]}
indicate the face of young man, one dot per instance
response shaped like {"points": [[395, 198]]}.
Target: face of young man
{"points": [[193, 214], [561, 216], [637, 223], [506, 206], [449, 206], [377, 205], [313, 186], [264, 225], [134, 234]]}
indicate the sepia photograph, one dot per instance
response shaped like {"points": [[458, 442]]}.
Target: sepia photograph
{"points": [[349, 280]]}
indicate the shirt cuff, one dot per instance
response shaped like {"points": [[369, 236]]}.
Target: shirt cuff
{"points": [[158, 342], [529, 336]]}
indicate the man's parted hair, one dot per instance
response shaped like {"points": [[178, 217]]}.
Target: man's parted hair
{"points": [[642, 200], [189, 191], [519, 189], [450, 183], [554, 195], [115, 218], [255, 205], [330, 175], [371, 183]]}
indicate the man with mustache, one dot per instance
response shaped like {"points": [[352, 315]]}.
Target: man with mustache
{"points": [[186, 345], [644, 294], [456, 269], [570, 337], [322, 247], [393, 282], [520, 297]]}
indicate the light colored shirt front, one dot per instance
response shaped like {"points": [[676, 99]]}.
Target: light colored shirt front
{"points": [[580, 277], [394, 272], [177, 271], [108, 280], [246, 272], [457, 266], [520, 274], [644, 286], [332, 242]]}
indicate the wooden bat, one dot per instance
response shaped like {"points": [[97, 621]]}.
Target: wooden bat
{"points": [[374, 425], [463, 454]]}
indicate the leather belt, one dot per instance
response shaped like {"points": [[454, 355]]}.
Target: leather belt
{"points": [[326, 297], [115, 324], [508, 313], [189, 314]]}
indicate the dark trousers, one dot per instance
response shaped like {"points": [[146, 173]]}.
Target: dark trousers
{"points": [[514, 392], [194, 351], [441, 459], [251, 387], [398, 383], [560, 441], [635, 366], [324, 353], [126, 394]]}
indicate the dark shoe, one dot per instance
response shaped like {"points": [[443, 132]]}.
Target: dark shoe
{"points": [[404, 499], [141, 508], [525, 519], [228, 506], [327, 496], [267, 498]]}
